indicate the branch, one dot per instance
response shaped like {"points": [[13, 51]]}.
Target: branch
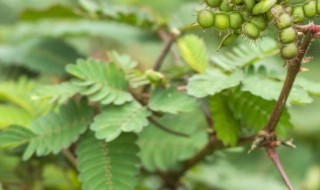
{"points": [[169, 40], [160, 126], [71, 158], [293, 69], [275, 158]]}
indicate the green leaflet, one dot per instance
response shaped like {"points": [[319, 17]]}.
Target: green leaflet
{"points": [[226, 126], [10, 115], [108, 166], [113, 120], [193, 51], [163, 151], [59, 93], [104, 83], [17, 93], [253, 112], [270, 89], [171, 101], [245, 54], [14, 136], [50, 133], [212, 82]]}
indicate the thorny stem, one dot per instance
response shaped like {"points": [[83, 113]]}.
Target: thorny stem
{"points": [[293, 69], [275, 158]]}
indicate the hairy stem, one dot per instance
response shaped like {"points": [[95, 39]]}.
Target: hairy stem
{"points": [[71, 158]]}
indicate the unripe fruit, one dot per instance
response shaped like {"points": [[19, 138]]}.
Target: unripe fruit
{"points": [[251, 30], [310, 9], [237, 2], [288, 35], [259, 21], [213, 3], [284, 21], [263, 6], [236, 20], [205, 18], [298, 13], [228, 39], [221, 21], [289, 51], [249, 4], [225, 6]]}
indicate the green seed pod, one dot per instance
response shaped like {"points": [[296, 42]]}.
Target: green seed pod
{"points": [[236, 2], [298, 13], [288, 35], [251, 30], [249, 4], [310, 9], [289, 51], [221, 21], [236, 20], [263, 6], [205, 18], [213, 3], [284, 21], [260, 22], [228, 39], [225, 6]]}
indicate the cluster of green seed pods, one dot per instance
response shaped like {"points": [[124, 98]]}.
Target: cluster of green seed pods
{"points": [[250, 18]]}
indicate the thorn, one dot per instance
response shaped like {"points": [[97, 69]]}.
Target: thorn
{"points": [[307, 59], [302, 69], [288, 143]]}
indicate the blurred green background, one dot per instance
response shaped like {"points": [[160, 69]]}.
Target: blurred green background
{"points": [[25, 33]]}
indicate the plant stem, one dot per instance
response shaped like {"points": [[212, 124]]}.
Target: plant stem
{"points": [[293, 69], [275, 158], [160, 126], [71, 158], [163, 54]]}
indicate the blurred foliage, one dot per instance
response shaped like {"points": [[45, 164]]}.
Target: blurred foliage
{"points": [[38, 39]]}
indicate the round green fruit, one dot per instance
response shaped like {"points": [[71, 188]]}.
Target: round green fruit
{"points": [[236, 20], [289, 51], [284, 21], [251, 30], [205, 18], [288, 35], [259, 21], [221, 21], [213, 3], [310, 9], [298, 13]]}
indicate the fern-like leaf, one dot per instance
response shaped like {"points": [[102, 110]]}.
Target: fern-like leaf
{"points": [[212, 82], [226, 126], [58, 130], [59, 93], [171, 101], [245, 54], [104, 83], [253, 112], [193, 51], [10, 114], [113, 120], [14, 136], [163, 151], [108, 166], [270, 89]]}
